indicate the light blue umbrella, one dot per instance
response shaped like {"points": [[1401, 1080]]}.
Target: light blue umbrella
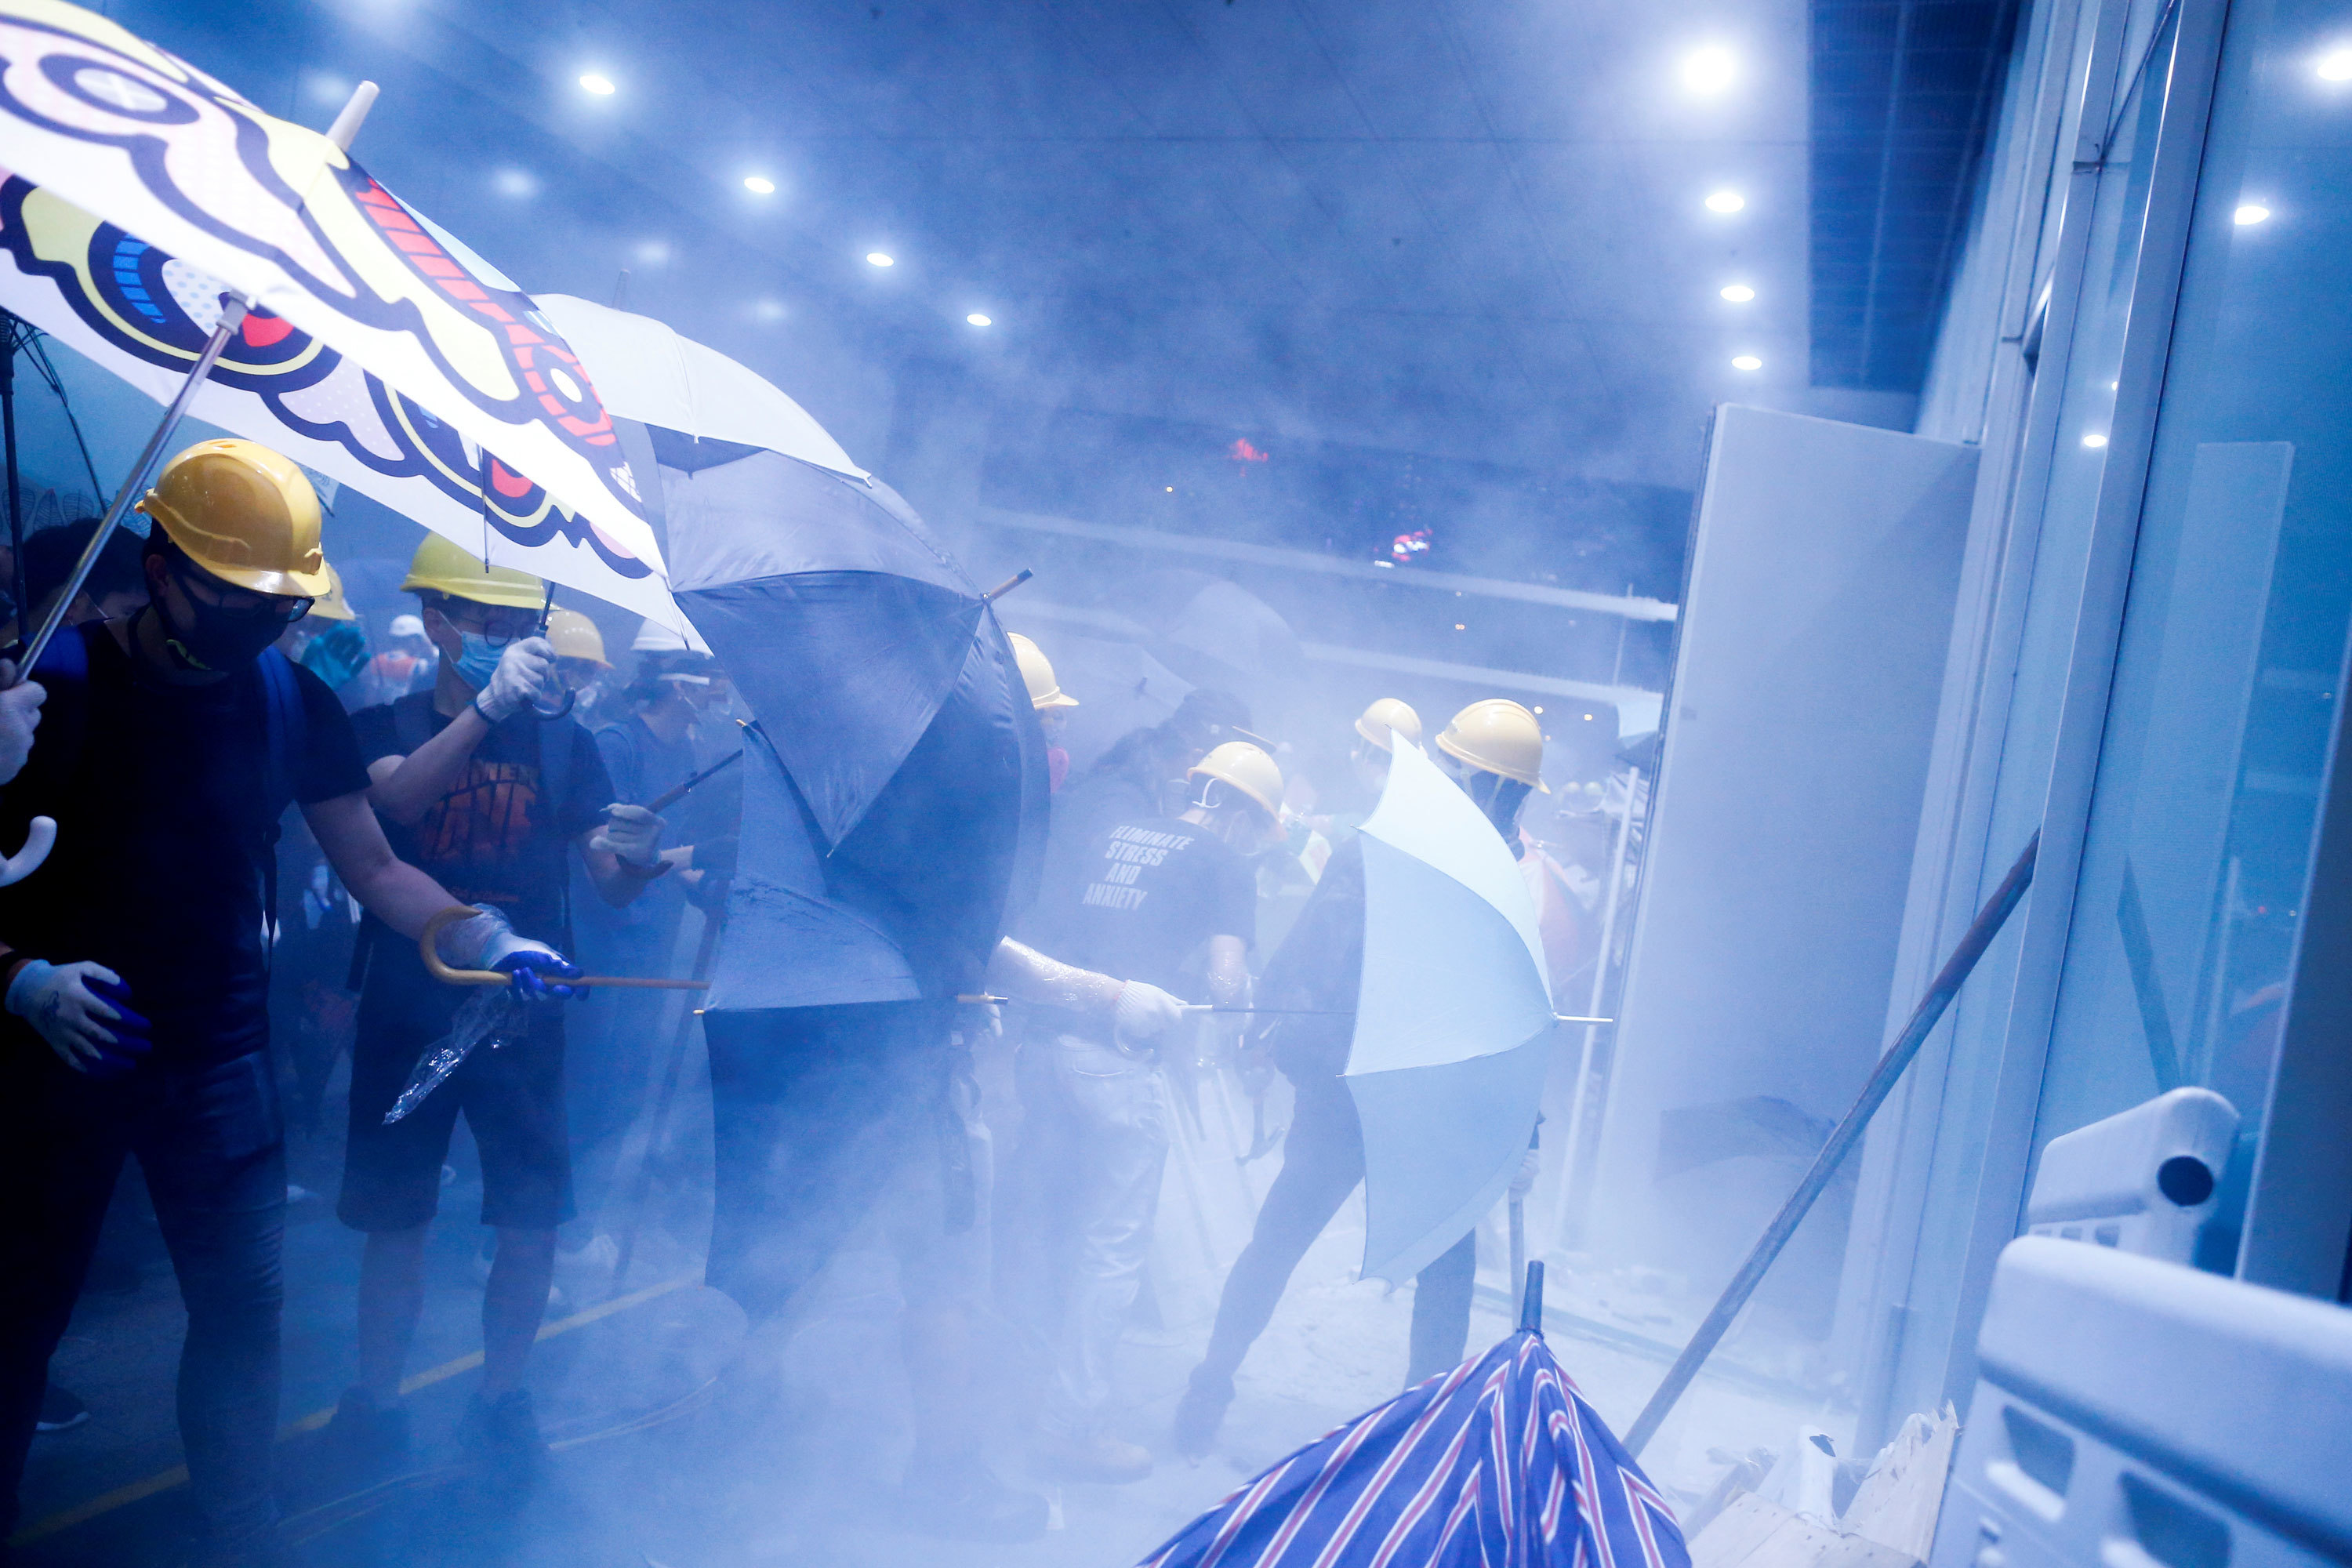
{"points": [[1447, 1065]]}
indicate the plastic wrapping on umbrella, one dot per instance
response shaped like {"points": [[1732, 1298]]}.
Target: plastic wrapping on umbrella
{"points": [[491, 1013]]}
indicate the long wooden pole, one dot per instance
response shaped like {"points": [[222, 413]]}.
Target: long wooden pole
{"points": [[1923, 1019]]}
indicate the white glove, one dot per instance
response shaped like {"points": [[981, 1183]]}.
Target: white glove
{"points": [[1523, 1181], [83, 1010], [631, 832], [523, 672], [20, 712], [1145, 1012], [488, 941]]}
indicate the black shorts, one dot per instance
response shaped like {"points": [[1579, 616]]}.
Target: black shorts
{"points": [[512, 1095]]}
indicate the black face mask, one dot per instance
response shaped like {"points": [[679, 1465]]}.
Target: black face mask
{"points": [[218, 640]]}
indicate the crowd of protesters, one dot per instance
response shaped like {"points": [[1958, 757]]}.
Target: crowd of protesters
{"points": [[257, 810]]}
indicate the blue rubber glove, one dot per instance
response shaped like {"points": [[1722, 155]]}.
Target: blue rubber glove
{"points": [[538, 973]]}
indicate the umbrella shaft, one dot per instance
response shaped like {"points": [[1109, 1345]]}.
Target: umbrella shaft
{"points": [[233, 311]]}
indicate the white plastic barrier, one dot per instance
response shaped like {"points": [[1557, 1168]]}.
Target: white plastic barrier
{"points": [[2137, 1414], [2142, 1181]]}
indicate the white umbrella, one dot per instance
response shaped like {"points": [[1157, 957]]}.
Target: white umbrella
{"points": [[1447, 1065], [376, 350], [648, 372]]}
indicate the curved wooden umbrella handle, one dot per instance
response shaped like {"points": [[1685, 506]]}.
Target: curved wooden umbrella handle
{"points": [[426, 949]]}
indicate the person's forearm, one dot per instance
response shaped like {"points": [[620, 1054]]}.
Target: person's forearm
{"points": [[432, 770], [1025, 974], [400, 895]]}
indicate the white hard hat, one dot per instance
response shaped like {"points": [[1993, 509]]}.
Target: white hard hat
{"points": [[407, 626]]}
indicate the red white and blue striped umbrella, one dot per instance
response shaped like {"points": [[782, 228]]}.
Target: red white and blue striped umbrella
{"points": [[1500, 1463]]}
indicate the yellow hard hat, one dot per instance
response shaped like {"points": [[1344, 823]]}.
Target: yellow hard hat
{"points": [[1387, 716], [329, 605], [1248, 770], [442, 566], [1045, 693], [245, 514], [1499, 736], [576, 637]]}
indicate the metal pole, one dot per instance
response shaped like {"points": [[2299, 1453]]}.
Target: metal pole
{"points": [[232, 317], [1579, 1100], [15, 492], [640, 1185], [1923, 1019]]}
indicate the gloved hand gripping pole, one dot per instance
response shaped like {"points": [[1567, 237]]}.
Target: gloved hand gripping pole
{"points": [[427, 948]]}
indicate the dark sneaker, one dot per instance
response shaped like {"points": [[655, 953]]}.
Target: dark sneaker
{"points": [[1094, 1457], [500, 1436], [963, 1500], [366, 1434], [60, 1411], [1201, 1412]]}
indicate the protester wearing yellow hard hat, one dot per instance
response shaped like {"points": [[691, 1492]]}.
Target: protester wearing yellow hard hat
{"points": [[1250, 775], [1051, 703], [137, 962], [1500, 737]]}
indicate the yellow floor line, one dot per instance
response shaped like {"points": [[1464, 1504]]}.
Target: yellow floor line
{"points": [[122, 1496]]}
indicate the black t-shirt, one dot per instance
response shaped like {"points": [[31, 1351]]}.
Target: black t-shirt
{"points": [[1147, 896], [494, 838], [1311, 984], [167, 806]]}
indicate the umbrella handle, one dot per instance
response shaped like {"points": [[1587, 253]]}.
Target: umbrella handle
{"points": [[446, 975]]}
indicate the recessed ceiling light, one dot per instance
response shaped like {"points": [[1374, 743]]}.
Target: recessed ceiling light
{"points": [[2335, 64], [514, 182], [1539, 707], [977, 320], [2095, 440], [1739, 293], [2251, 213], [1746, 361], [600, 86], [768, 309], [759, 185], [653, 252], [880, 258], [1709, 70], [1726, 202]]}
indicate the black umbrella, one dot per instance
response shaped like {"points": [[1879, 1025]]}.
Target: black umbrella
{"points": [[884, 688]]}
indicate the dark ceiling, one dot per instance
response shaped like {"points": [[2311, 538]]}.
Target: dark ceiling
{"points": [[1416, 225], [1417, 231], [1903, 96]]}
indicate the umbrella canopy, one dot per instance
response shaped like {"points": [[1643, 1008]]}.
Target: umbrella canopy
{"points": [[899, 779], [646, 371], [1447, 1063], [379, 351], [1499, 1463]]}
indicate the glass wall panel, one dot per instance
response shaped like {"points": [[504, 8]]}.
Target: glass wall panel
{"points": [[2229, 671]]}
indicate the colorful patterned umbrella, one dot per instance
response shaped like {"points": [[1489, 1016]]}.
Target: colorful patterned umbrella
{"points": [[378, 350], [1499, 1463]]}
